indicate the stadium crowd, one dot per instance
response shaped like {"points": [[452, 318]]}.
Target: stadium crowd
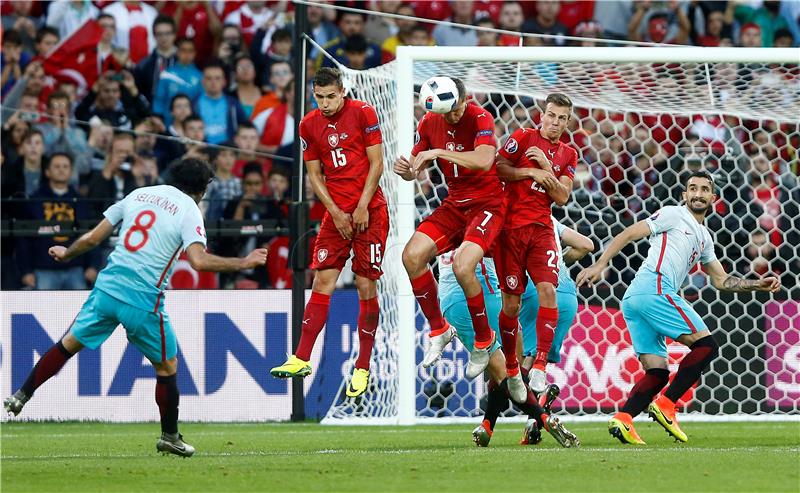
{"points": [[97, 98]]}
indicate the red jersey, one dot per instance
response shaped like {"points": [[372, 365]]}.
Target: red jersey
{"points": [[475, 128], [528, 202], [340, 143]]}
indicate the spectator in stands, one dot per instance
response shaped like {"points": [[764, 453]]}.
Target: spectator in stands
{"points": [[68, 15], [276, 125], [614, 16], [546, 22], [767, 18], [350, 24], [783, 39], [182, 78], [716, 28], [379, 28], [750, 36], [355, 53], [191, 127], [46, 39], [220, 112], [231, 45], [278, 182], [149, 70], [145, 171], [31, 160], [655, 24], [134, 22], [14, 131], [405, 29], [252, 16], [101, 133], [244, 87], [759, 256], [60, 135], [21, 21], [55, 200], [589, 29], [12, 59], [115, 180], [225, 186], [485, 37], [445, 35], [511, 19], [180, 108], [280, 50], [105, 47], [321, 29], [280, 73], [114, 97], [573, 12], [31, 83], [246, 140], [199, 22]]}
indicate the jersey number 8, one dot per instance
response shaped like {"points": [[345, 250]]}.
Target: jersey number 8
{"points": [[140, 227]]}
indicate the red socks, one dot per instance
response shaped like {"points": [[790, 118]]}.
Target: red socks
{"points": [[509, 327], [480, 322], [47, 366], [367, 325], [546, 320], [427, 293], [314, 318]]}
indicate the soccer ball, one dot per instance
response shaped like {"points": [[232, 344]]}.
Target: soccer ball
{"points": [[438, 94]]}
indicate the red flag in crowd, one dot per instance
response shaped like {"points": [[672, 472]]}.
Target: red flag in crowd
{"points": [[75, 58]]}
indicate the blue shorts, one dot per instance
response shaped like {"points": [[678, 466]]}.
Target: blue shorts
{"points": [[151, 332], [457, 314], [651, 318], [567, 309]]}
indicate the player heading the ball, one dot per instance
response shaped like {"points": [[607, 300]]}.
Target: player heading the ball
{"points": [[653, 310], [342, 148], [461, 142], [157, 223]]}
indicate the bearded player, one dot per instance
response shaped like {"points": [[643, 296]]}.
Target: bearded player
{"points": [[653, 310], [462, 143], [538, 169], [342, 143]]}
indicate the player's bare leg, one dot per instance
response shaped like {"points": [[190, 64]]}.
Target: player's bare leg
{"points": [[417, 254], [509, 327], [314, 318], [367, 326], [168, 398], [467, 257], [47, 366], [546, 321]]}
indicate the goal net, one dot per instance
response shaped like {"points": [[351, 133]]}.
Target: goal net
{"points": [[643, 119]]}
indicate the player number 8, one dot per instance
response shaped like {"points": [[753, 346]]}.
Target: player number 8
{"points": [[141, 227]]}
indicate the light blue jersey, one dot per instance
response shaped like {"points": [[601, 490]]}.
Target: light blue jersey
{"points": [[566, 298], [454, 303], [651, 306], [157, 224]]}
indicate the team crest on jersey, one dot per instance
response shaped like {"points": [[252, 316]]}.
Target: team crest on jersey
{"points": [[322, 254], [450, 146], [303, 143], [511, 281], [333, 140], [512, 146]]}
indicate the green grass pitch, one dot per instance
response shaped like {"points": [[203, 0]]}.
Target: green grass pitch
{"points": [[86, 457]]}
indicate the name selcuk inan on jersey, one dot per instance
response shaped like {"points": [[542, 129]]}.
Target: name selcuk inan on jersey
{"points": [[158, 201]]}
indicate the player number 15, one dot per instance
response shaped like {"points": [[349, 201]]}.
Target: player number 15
{"points": [[338, 157]]}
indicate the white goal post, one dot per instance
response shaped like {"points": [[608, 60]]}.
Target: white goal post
{"points": [[680, 82]]}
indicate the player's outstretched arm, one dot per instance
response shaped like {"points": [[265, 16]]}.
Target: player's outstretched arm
{"points": [[591, 275], [341, 219], [508, 172], [361, 214], [480, 159], [726, 282], [201, 260], [579, 245], [83, 244]]}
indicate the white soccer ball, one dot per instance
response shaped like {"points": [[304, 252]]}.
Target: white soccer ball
{"points": [[438, 94]]}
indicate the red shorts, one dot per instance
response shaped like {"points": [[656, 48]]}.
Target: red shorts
{"points": [[331, 251], [530, 248], [478, 221]]}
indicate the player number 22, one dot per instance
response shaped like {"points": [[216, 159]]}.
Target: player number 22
{"points": [[552, 258], [141, 227], [338, 157]]}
